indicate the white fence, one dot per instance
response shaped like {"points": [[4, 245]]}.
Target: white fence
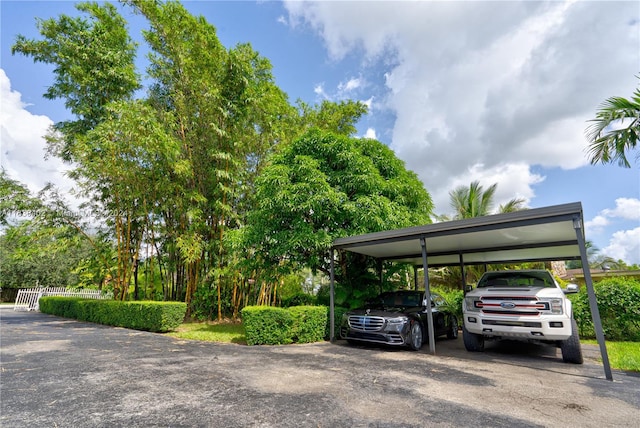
{"points": [[28, 299]]}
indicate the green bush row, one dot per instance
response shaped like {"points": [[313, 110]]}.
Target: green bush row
{"points": [[143, 315], [268, 325], [619, 306]]}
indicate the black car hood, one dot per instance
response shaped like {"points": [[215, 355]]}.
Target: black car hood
{"points": [[386, 312]]}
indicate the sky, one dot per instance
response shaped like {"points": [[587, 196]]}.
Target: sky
{"points": [[499, 92]]}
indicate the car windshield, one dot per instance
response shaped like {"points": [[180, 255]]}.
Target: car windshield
{"points": [[516, 279], [404, 298]]}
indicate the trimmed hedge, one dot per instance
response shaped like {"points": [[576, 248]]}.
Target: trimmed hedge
{"points": [[269, 325], [145, 315], [309, 323]]}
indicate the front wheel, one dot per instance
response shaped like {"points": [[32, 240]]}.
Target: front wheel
{"points": [[472, 342], [571, 350], [415, 339]]}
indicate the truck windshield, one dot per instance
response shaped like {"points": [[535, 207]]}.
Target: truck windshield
{"points": [[515, 279]]}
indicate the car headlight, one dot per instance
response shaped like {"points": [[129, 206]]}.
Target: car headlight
{"points": [[556, 306], [470, 304], [397, 320]]}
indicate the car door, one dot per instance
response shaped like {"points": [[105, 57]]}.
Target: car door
{"points": [[438, 304]]}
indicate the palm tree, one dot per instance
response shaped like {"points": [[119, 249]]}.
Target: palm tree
{"points": [[473, 201], [470, 202], [515, 204], [615, 130]]}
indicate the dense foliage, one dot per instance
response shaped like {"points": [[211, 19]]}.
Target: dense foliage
{"points": [[309, 323], [48, 246], [619, 305], [325, 186], [167, 174]]}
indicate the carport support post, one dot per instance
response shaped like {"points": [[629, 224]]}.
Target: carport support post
{"points": [[427, 292], [593, 303], [463, 275], [332, 329]]}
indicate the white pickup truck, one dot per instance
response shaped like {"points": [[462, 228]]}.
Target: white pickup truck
{"points": [[524, 305]]}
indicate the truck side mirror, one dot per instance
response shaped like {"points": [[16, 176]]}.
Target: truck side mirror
{"points": [[571, 289]]}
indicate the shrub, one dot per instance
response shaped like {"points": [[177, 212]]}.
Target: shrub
{"points": [[309, 323], [338, 311], [267, 325], [298, 299], [619, 306], [144, 315]]}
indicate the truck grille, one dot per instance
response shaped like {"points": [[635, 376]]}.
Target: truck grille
{"points": [[362, 323], [530, 324], [511, 305]]}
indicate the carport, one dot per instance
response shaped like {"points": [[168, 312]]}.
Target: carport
{"points": [[552, 233]]}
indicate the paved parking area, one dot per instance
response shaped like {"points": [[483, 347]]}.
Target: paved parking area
{"points": [[56, 372]]}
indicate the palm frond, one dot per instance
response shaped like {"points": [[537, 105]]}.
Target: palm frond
{"points": [[615, 130]]}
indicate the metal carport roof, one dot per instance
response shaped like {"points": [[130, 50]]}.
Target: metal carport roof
{"points": [[540, 234]]}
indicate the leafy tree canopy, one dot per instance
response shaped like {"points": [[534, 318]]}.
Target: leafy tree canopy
{"points": [[325, 186], [94, 59]]}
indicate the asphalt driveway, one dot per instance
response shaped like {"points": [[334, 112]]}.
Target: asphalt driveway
{"points": [[56, 372]]}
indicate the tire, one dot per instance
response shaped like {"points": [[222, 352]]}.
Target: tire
{"points": [[472, 342], [571, 350], [452, 332], [415, 336]]}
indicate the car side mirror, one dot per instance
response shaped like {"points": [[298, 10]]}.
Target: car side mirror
{"points": [[468, 287], [571, 289]]}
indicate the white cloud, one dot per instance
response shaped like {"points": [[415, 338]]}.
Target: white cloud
{"points": [[345, 90], [368, 102], [319, 90], [350, 85], [625, 245], [596, 225], [626, 208], [486, 90], [22, 152], [371, 133]]}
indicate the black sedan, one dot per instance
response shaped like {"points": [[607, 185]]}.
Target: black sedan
{"points": [[398, 318]]}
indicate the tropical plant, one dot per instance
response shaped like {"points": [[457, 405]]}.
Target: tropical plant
{"points": [[470, 202], [615, 130], [475, 201]]}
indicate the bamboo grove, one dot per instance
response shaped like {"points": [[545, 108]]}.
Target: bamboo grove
{"points": [[167, 158]]}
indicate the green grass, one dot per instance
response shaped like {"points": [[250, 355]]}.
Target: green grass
{"points": [[211, 332], [622, 355]]}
